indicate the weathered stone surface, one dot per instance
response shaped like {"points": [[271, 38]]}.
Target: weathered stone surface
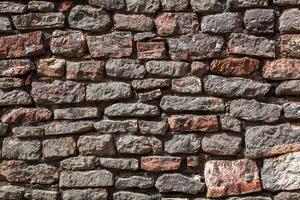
{"points": [[291, 110], [253, 110], [260, 20], [234, 87], [288, 88], [131, 195], [133, 22], [116, 45], [189, 84], [149, 96], [14, 148], [134, 182], [194, 47], [11, 82], [188, 143], [91, 194], [286, 2], [107, 91], [265, 141], [132, 144], [179, 104], [244, 44], [193, 123], [222, 23], [156, 145], [203, 6], [68, 43], [160, 163], [59, 147], [290, 45], [41, 6], [79, 163], [5, 24], [169, 24], [95, 178], [131, 110], [89, 19], [281, 173], [142, 6], [58, 92], [92, 70], [3, 128], [229, 123], [170, 5], [120, 163], [32, 115], [39, 20], [116, 126], [247, 3], [14, 97], [125, 68], [234, 66], [199, 69], [65, 127], [15, 67], [167, 68], [224, 144], [282, 69], [12, 7], [151, 50], [44, 174], [150, 83], [287, 195], [76, 113], [225, 178], [250, 198], [179, 183], [108, 4], [152, 127], [37, 194], [29, 44], [100, 145], [289, 21], [11, 192], [53, 67], [28, 131]]}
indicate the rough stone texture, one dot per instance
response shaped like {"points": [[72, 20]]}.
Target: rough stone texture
{"points": [[253, 110], [15, 67], [131, 110], [116, 126], [120, 163], [289, 45], [225, 178], [170, 5], [151, 50], [130, 195], [229, 123], [62, 128], [289, 21], [260, 20], [52, 67], [59, 148], [125, 68], [288, 88], [14, 97], [79, 163], [76, 113], [286, 2], [194, 47], [11, 192], [150, 83], [160, 163], [282, 69], [133, 22], [131, 144], [203, 6], [199, 69], [116, 45], [221, 23], [10, 83], [149, 96], [5, 24], [142, 6], [247, 3], [89, 19], [152, 127], [178, 183], [234, 87], [188, 143], [291, 110], [12, 7], [265, 141], [287, 195], [91, 194], [108, 4], [134, 182], [85, 70], [167, 68], [189, 85], [244, 44], [41, 6], [27, 131], [281, 173]]}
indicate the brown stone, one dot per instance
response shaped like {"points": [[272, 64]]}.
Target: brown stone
{"points": [[92, 70], [133, 22], [160, 163], [199, 69], [191, 123], [151, 50], [234, 66], [15, 46], [290, 45], [52, 67], [282, 69], [225, 178], [26, 115], [15, 67], [169, 24], [59, 147]]}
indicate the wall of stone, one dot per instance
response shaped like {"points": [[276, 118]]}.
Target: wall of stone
{"points": [[150, 99]]}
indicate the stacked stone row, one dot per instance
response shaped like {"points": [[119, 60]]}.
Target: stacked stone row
{"points": [[150, 99]]}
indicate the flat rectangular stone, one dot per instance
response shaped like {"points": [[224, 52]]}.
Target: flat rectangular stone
{"points": [[90, 194], [12, 7], [116, 126], [92, 70], [131, 110], [14, 97], [167, 68], [282, 69], [291, 110], [77, 113], [130, 164], [15, 67], [66, 127], [151, 50], [290, 45]]}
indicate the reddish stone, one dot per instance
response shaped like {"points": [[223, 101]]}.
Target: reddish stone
{"points": [[160, 163], [234, 66], [92, 70], [65, 5], [15, 171], [191, 123], [199, 69], [282, 69], [151, 50], [290, 45], [193, 161], [225, 178], [169, 24], [26, 115], [133, 22], [15, 67], [15, 46]]}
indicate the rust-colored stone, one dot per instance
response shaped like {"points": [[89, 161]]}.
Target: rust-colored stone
{"points": [[160, 163], [151, 50], [26, 115], [225, 178], [282, 69], [15, 46]]}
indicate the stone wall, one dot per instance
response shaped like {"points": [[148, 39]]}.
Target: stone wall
{"points": [[150, 99]]}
